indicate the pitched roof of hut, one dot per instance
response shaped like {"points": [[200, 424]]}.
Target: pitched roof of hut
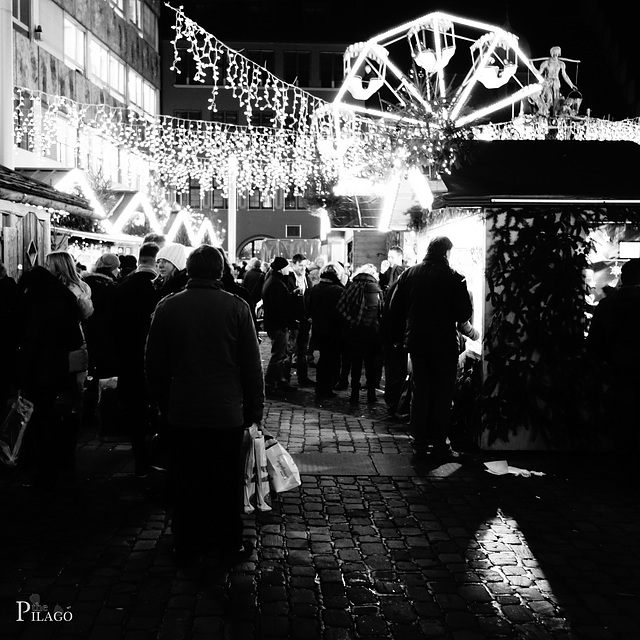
{"points": [[20, 188]]}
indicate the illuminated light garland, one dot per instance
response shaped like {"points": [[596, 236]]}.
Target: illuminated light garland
{"points": [[537, 128], [197, 227], [177, 151], [138, 204], [252, 85], [338, 142]]}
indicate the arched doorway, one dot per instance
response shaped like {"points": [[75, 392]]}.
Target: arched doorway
{"points": [[251, 248]]}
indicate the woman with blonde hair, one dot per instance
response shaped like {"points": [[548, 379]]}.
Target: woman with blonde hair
{"points": [[62, 265]]}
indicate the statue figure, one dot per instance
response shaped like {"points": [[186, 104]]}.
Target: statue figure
{"points": [[550, 99]]}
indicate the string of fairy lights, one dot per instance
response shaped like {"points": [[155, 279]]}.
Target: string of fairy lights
{"points": [[267, 158], [587, 128], [178, 151], [255, 88]]}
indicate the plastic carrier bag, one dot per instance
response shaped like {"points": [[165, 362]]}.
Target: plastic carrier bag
{"points": [[12, 430], [256, 479], [283, 471]]}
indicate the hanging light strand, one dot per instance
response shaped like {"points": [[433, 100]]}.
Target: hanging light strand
{"points": [[178, 150], [254, 86]]}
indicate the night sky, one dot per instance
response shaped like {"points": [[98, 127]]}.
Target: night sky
{"points": [[573, 26]]}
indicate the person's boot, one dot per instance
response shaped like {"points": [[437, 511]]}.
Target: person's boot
{"points": [[371, 395], [354, 398]]}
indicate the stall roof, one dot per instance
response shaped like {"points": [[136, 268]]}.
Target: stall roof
{"points": [[102, 237], [544, 171], [68, 181], [23, 189]]}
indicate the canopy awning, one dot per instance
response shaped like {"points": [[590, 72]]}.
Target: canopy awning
{"points": [[544, 171], [99, 237]]}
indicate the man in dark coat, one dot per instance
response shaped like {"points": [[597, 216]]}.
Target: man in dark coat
{"points": [[135, 300], [229, 283], [395, 356], [253, 280], [100, 326], [277, 301], [429, 299], [300, 286], [611, 340], [327, 325], [203, 368], [394, 268]]}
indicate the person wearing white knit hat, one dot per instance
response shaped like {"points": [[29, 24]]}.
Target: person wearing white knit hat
{"points": [[172, 263]]}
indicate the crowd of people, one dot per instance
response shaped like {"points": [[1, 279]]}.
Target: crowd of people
{"points": [[178, 335], [79, 328], [409, 323], [179, 331]]}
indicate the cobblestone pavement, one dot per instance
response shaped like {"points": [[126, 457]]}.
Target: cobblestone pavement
{"points": [[370, 546]]}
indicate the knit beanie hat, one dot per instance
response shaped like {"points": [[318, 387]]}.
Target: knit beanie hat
{"points": [[108, 261], [175, 254], [279, 263]]}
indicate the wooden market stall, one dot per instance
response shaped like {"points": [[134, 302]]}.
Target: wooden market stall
{"points": [[539, 228], [26, 206]]}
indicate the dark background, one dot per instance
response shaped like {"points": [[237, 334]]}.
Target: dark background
{"points": [[597, 33]]}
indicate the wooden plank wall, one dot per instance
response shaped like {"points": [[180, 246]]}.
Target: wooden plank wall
{"points": [[19, 228], [369, 246]]}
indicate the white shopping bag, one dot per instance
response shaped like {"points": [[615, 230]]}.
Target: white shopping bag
{"points": [[283, 471], [263, 497], [256, 478]]}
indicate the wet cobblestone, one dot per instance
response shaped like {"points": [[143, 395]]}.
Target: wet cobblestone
{"points": [[450, 552]]}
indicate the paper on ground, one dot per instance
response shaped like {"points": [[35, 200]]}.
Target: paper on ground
{"points": [[501, 468]]}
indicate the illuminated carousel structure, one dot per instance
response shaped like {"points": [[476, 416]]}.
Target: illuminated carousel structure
{"points": [[390, 130]]}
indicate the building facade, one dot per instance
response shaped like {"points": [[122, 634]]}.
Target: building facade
{"points": [[76, 75], [92, 54]]}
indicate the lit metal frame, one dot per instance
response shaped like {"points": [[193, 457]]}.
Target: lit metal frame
{"points": [[552, 200], [492, 37]]}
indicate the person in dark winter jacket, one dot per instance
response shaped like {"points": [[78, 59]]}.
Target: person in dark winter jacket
{"points": [[392, 268], [100, 326], [394, 355], [49, 328], [203, 369], [128, 264], [279, 318], [326, 325], [360, 305], [229, 283], [253, 280], [611, 342], [135, 299], [429, 300]]}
